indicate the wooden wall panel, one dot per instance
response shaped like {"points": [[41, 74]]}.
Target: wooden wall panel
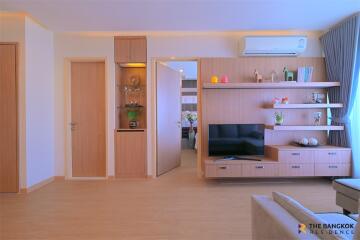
{"points": [[9, 179], [248, 105]]}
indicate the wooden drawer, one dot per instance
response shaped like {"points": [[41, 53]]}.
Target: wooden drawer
{"points": [[222, 170], [294, 169], [259, 170], [333, 156], [332, 169], [297, 156]]}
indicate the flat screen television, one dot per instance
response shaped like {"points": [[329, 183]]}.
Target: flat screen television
{"points": [[235, 140]]}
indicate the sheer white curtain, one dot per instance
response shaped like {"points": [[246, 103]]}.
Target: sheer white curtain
{"points": [[355, 132]]}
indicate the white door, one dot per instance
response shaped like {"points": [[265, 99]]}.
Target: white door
{"points": [[168, 118]]}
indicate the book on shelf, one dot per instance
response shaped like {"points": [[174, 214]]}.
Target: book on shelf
{"points": [[304, 74]]}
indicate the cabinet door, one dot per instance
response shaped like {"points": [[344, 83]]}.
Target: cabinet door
{"points": [[332, 169], [122, 50], [223, 170], [296, 169], [138, 50], [333, 156], [260, 170], [300, 156], [130, 153]]}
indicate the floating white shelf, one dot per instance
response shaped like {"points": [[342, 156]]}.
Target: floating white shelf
{"points": [[306, 105], [270, 85], [189, 90], [303, 128]]}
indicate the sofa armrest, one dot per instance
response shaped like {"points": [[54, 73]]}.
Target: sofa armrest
{"points": [[271, 221]]}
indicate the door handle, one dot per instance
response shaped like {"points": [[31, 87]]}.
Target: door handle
{"points": [[72, 125]]}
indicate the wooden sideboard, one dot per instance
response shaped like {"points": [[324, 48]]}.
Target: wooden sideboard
{"points": [[286, 161]]}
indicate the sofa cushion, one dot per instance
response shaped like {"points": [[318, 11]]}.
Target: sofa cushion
{"points": [[348, 187], [303, 215]]}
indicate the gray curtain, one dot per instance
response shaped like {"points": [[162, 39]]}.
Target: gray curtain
{"points": [[340, 46]]}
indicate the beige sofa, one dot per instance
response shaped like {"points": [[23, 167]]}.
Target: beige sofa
{"points": [[281, 217]]}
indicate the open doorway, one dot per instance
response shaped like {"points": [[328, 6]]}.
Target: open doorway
{"points": [[177, 129]]}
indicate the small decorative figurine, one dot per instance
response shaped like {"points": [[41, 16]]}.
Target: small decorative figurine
{"points": [[318, 97], [279, 118], [133, 110], [214, 79], [276, 100], [289, 76], [285, 100], [258, 77], [313, 141], [304, 141], [224, 79], [273, 76], [317, 118]]}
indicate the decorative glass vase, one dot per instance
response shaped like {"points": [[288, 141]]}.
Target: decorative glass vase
{"points": [[191, 136], [279, 118]]}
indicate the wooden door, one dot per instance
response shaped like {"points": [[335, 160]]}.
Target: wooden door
{"points": [[88, 119], [9, 178], [168, 118]]}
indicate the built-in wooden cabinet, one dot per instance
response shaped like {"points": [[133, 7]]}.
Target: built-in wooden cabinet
{"points": [[130, 95], [130, 152], [243, 100], [130, 49], [286, 161]]}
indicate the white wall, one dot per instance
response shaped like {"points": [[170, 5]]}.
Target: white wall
{"points": [[69, 46], [160, 45], [39, 75]]}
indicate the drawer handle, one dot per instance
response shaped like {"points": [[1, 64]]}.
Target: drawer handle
{"points": [[295, 154], [332, 153], [332, 166], [259, 167], [224, 167], [295, 166]]}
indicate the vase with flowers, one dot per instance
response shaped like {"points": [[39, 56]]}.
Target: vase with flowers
{"points": [[191, 117], [279, 118]]}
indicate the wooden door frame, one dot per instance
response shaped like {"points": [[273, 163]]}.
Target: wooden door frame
{"points": [[68, 136], [153, 101], [17, 95]]}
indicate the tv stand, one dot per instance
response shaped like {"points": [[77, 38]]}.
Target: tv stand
{"points": [[285, 161]]}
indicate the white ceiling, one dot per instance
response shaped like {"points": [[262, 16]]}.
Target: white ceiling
{"points": [[184, 15]]}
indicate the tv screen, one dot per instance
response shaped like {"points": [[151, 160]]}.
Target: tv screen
{"points": [[236, 139]]}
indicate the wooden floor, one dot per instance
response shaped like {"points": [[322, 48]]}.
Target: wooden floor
{"points": [[177, 205]]}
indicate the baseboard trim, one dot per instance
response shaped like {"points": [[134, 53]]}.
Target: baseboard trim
{"points": [[59, 177], [37, 185]]}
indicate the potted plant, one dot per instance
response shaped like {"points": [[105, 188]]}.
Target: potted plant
{"points": [[132, 113], [279, 118]]}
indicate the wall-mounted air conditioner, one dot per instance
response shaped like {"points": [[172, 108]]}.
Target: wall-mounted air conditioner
{"points": [[274, 45]]}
